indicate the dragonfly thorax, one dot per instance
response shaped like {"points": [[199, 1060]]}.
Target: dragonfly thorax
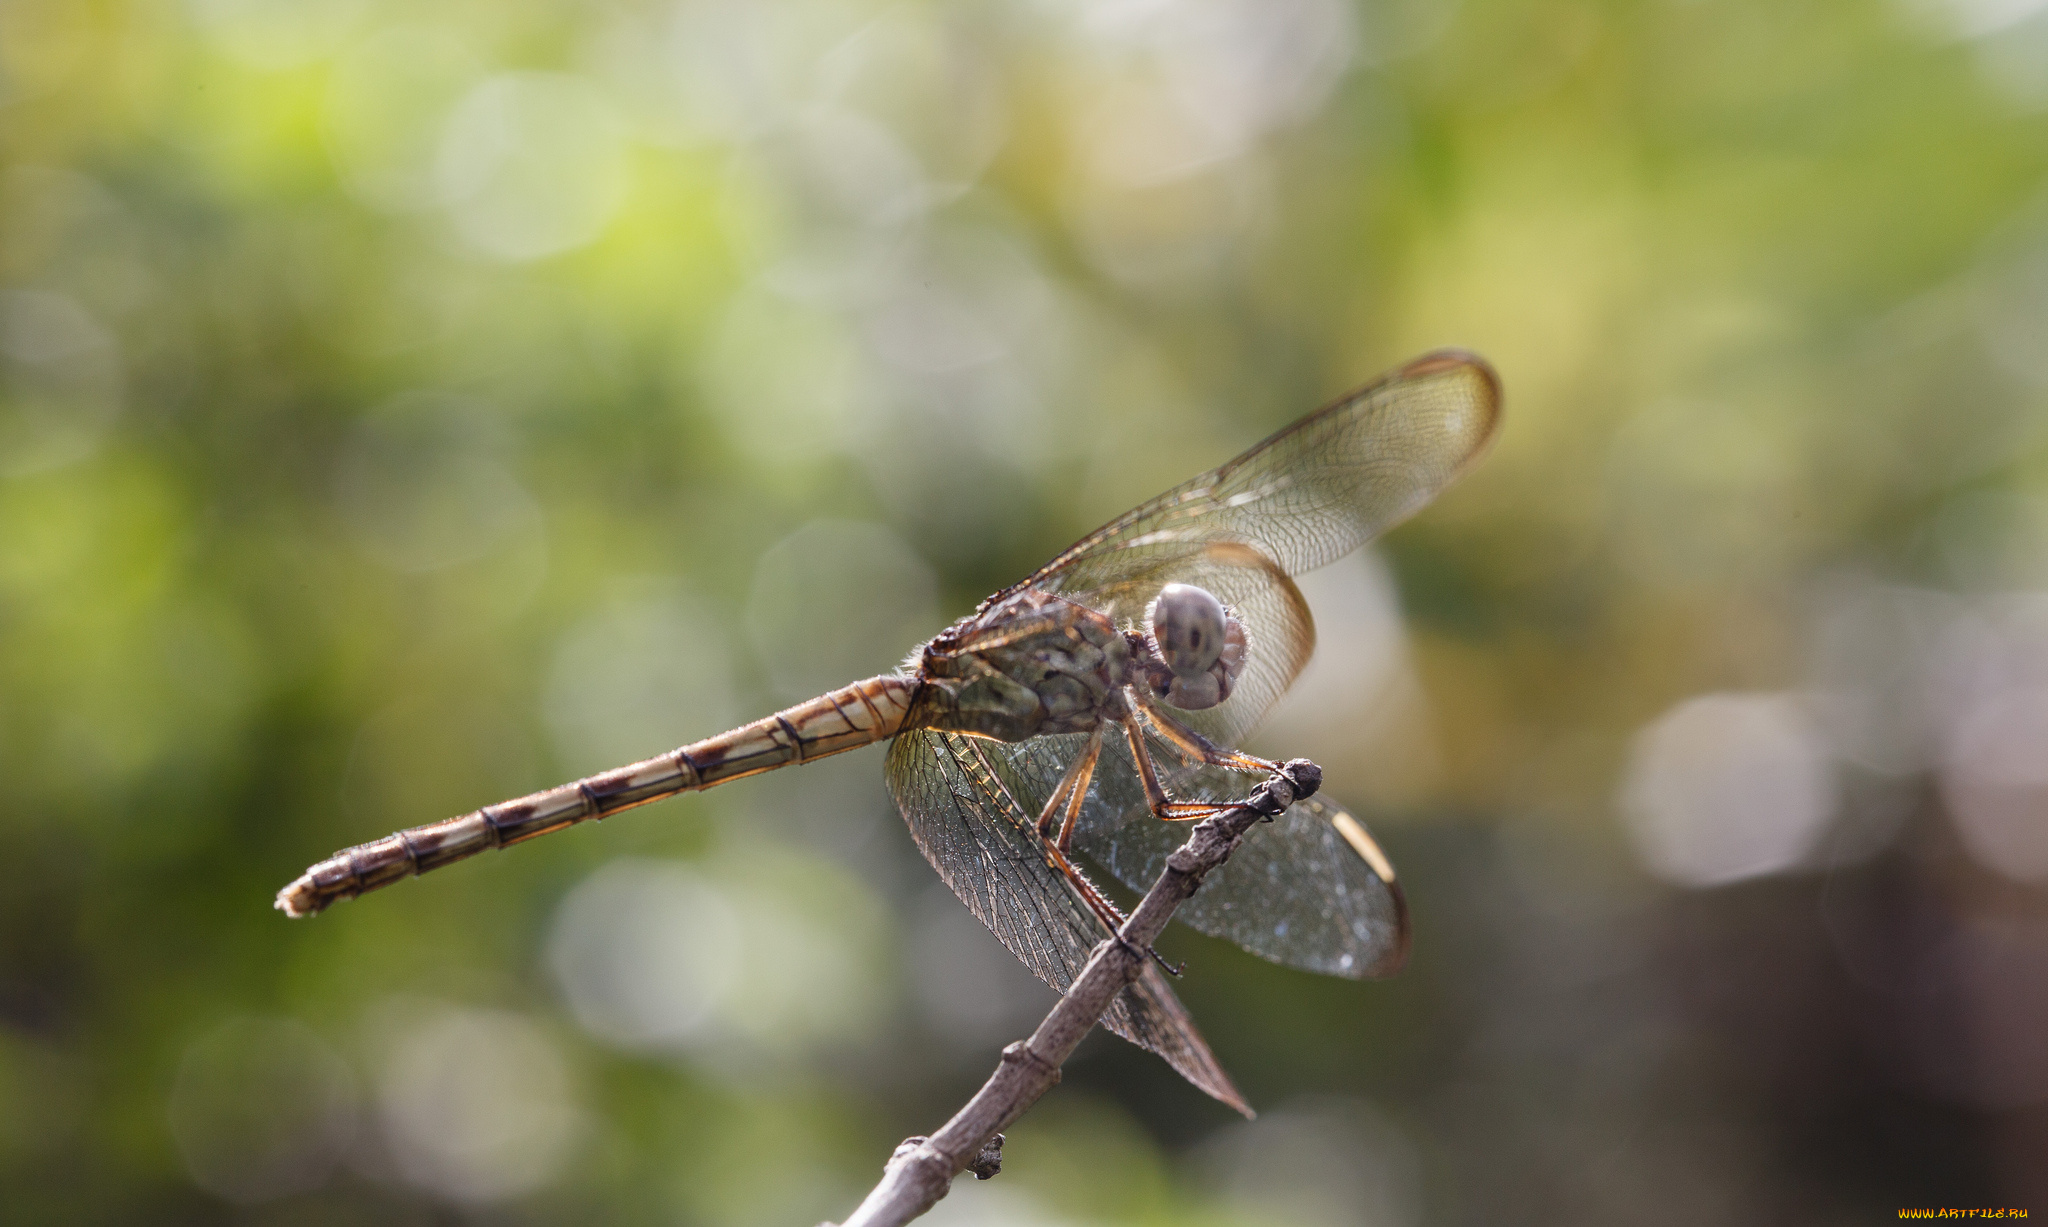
{"points": [[1030, 663]]}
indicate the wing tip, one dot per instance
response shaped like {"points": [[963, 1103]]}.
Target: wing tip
{"points": [[1438, 361], [1214, 1083], [1149, 1002], [1353, 832], [1397, 958], [1487, 397]]}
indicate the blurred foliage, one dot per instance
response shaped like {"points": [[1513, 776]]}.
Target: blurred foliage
{"points": [[403, 409]]}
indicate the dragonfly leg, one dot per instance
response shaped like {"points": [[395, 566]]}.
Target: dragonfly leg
{"points": [[1196, 748], [1148, 952], [1097, 902], [1063, 808], [1163, 806], [1075, 784]]}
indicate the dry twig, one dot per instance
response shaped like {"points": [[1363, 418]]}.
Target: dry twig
{"points": [[922, 1169]]}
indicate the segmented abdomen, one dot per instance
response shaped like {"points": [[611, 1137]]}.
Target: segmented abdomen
{"points": [[846, 719]]}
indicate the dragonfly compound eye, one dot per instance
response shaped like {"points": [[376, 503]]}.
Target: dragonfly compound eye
{"points": [[1187, 628]]}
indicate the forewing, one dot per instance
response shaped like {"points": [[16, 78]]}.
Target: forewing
{"points": [[965, 803], [1307, 496], [1311, 891], [1315, 491]]}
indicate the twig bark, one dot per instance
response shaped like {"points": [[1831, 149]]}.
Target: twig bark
{"points": [[922, 1169]]}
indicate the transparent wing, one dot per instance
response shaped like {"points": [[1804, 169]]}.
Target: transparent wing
{"points": [[1311, 891], [1305, 497], [962, 805], [1317, 490]]}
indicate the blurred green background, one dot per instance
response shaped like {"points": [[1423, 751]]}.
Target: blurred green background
{"points": [[404, 407]]}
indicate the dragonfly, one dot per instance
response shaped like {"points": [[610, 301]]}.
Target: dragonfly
{"points": [[1093, 708]]}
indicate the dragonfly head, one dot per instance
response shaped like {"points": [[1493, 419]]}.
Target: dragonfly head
{"points": [[1200, 644]]}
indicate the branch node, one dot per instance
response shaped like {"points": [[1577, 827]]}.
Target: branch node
{"points": [[989, 1161], [1021, 1053]]}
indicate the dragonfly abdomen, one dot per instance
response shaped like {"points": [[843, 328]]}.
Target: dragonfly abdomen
{"points": [[845, 719]]}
